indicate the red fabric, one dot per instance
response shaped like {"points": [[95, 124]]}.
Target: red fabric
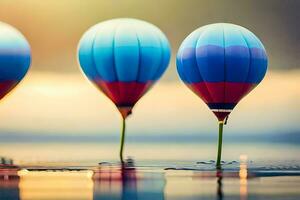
{"points": [[221, 92], [221, 115], [200, 89], [236, 91], [123, 93], [6, 87]]}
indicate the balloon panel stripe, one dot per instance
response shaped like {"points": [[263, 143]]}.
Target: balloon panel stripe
{"points": [[103, 55], [221, 110], [165, 57], [187, 66], [86, 55], [123, 93], [221, 106], [210, 62], [216, 92], [213, 35]]}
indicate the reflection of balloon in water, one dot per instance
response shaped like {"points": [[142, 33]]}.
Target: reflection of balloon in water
{"points": [[221, 63], [14, 58], [123, 58], [127, 182]]}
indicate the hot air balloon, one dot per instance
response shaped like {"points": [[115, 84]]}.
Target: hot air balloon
{"points": [[221, 63], [15, 58], [124, 58]]}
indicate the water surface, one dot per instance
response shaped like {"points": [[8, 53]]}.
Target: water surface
{"points": [[37, 171]]}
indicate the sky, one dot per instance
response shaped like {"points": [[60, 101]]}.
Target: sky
{"points": [[55, 98]]}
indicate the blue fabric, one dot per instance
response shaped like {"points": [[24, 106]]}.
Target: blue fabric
{"points": [[15, 55], [258, 65], [221, 105], [86, 57], [124, 50], [222, 52], [211, 35], [126, 54], [189, 60], [102, 53], [237, 63], [211, 62]]}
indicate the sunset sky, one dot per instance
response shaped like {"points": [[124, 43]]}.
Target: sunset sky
{"points": [[55, 98]]}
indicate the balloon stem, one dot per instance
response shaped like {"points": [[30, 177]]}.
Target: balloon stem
{"points": [[122, 139], [218, 163]]}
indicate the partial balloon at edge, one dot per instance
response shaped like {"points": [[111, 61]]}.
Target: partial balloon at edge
{"points": [[15, 58]]}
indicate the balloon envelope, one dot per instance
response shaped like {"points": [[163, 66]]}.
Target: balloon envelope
{"points": [[221, 63], [123, 58], [15, 58]]}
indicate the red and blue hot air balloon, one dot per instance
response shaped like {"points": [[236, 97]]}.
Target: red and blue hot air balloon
{"points": [[124, 58], [15, 58], [221, 63]]}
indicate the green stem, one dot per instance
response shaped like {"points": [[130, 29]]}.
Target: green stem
{"points": [[122, 139], [218, 164]]}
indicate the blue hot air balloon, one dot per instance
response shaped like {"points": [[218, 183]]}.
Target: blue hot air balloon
{"points": [[15, 58], [124, 58], [221, 63]]}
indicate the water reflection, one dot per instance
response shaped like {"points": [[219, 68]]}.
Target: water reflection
{"points": [[243, 174], [209, 183], [59, 184], [9, 181], [104, 182], [219, 176], [126, 183]]}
